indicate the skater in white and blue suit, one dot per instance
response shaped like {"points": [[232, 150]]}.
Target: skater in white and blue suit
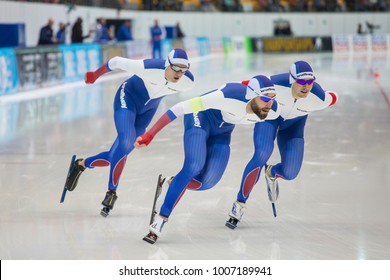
{"points": [[207, 135], [135, 104], [298, 95]]}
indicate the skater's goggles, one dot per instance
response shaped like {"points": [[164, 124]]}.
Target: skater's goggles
{"points": [[303, 82], [266, 98], [177, 68], [264, 93]]}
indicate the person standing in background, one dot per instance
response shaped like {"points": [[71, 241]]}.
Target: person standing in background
{"points": [[46, 34], [360, 29], [61, 33], [102, 33], [179, 32], [158, 33], [77, 32], [124, 32]]}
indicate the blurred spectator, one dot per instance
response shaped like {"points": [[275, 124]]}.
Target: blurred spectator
{"points": [[179, 32], [158, 34], [360, 29], [382, 5], [124, 32], [61, 33], [230, 5], [284, 6], [102, 34], [341, 6], [207, 6], [77, 32], [46, 34], [298, 5], [371, 27], [171, 5], [119, 5], [282, 28], [319, 5]]}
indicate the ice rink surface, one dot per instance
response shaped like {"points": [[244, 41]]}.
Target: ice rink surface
{"points": [[336, 209]]}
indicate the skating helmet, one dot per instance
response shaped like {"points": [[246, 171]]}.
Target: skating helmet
{"points": [[259, 85], [177, 56], [301, 70]]}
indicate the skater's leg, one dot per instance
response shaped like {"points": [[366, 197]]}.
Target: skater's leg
{"points": [[194, 160], [263, 137], [291, 144], [129, 126], [195, 137], [291, 147], [102, 159], [123, 145], [218, 152], [195, 156], [124, 123]]}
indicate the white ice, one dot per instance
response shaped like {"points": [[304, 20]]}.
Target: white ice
{"points": [[337, 208]]}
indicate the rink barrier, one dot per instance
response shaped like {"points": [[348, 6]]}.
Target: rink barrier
{"points": [[38, 67], [78, 59], [9, 78], [361, 43], [237, 45], [24, 69], [297, 44]]}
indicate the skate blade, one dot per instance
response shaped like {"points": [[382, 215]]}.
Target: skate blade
{"points": [[153, 216], [65, 189], [274, 209], [156, 195]]}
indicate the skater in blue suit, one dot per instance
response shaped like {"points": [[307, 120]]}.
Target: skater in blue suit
{"points": [[209, 121], [135, 104], [298, 95]]}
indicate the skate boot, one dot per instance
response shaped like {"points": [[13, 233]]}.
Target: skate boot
{"points": [[235, 215], [108, 203], [155, 230], [272, 184], [73, 176]]}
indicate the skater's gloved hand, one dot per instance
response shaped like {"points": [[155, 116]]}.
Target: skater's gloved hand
{"points": [[89, 77], [143, 140]]}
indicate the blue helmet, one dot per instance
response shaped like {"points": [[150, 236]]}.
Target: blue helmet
{"points": [[177, 56], [259, 85], [301, 70]]}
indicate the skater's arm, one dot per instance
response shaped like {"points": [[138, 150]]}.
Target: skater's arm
{"points": [[125, 64], [115, 63], [326, 99], [147, 137], [211, 100]]}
